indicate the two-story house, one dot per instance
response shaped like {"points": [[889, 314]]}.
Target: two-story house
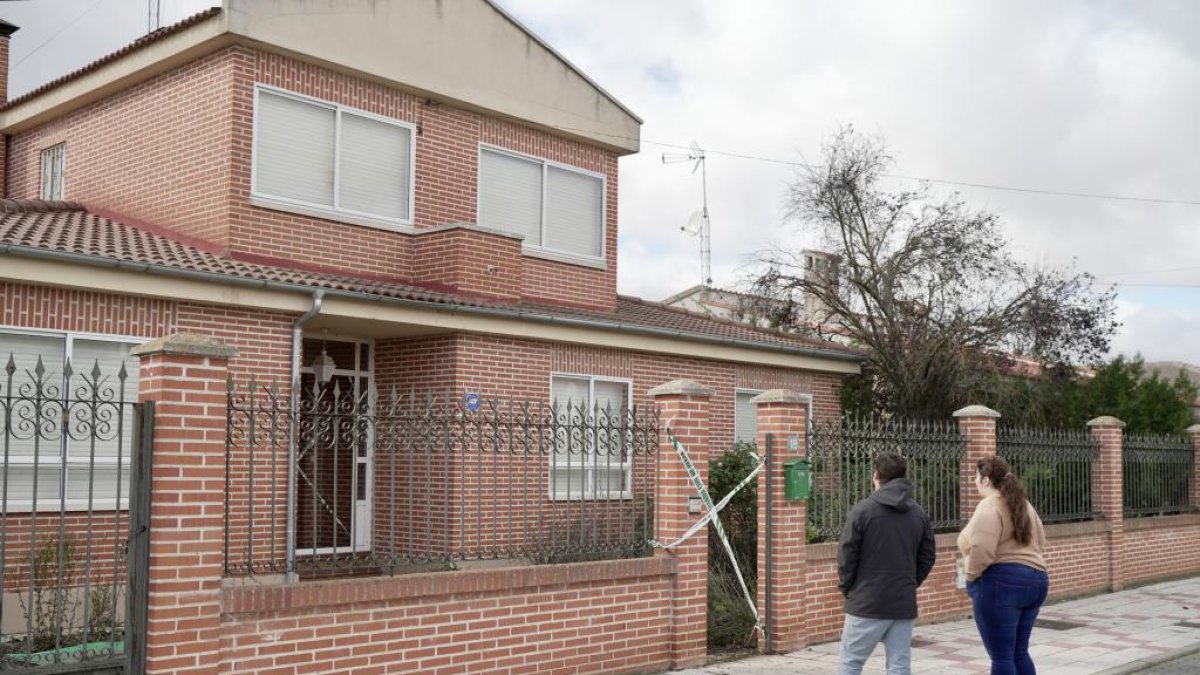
{"points": [[419, 195]]}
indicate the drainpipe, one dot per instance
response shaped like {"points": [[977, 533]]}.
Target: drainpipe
{"points": [[317, 298]]}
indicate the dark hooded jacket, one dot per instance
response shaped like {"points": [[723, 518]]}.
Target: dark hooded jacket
{"points": [[886, 551]]}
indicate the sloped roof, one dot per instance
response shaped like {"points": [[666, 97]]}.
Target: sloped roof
{"points": [[140, 43], [67, 230], [473, 54]]}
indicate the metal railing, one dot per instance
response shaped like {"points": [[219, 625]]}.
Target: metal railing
{"points": [[842, 452], [67, 440], [1158, 474], [1055, 467], [389, 482]]}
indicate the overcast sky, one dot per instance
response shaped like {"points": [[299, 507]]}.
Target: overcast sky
{"points": [[1098, 97]]}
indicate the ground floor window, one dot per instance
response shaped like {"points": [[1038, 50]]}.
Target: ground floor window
{"points": [[68, 429], [591, 458]]}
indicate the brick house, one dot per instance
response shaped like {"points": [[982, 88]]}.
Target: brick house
{"points": [[429, 205]]}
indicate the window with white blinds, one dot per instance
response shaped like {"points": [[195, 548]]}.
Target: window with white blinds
{"points": [[334, 160], [90, 469], [54, 169], [558, 209], [745, 417], [591, 458]]}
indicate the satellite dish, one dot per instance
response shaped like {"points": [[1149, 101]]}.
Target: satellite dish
{"points": [[695, 223]]}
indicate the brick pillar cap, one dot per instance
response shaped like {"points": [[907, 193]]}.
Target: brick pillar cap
{"points": [[1106, 421], [1194, 430], [976, 411], [780, 396], [186, 344], [7, 29], [681, 388]]}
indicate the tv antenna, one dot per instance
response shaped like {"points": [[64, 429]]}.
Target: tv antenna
{"points": [[698, 223], [154, 15]]}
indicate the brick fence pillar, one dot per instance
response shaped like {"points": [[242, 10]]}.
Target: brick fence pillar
{"points": [[977, 424], [684, 407], [185, 376], [1194, 430], [1106, 492], [783, 415]]}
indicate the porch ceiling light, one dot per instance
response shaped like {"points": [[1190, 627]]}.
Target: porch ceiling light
{"points": [[323, 366]]}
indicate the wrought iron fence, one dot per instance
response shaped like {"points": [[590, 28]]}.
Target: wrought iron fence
{"points": [[68, 439], [1055, 467], [842, 452], [1159, 472], [388, 482]]}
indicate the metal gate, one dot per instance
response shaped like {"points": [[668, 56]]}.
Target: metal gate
{"points": [[74, 510]]}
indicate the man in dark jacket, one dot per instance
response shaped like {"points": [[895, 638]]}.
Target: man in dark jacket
{"points": [[886, 551]]}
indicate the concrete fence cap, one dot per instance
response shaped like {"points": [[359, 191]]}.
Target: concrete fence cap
{"points": [[1106, 421], [186, 344], [780, 396], [1194, 430], [681, 388], [976, 411]]}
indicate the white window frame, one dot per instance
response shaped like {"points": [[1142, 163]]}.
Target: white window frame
{"points": [[589, 453], [736, 393], [64, 460], [54, 159], [542, 251], [334, 212]]}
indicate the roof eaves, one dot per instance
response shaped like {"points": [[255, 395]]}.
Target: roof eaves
{"points": [[560, 57], [479, 310], [138, 44]]}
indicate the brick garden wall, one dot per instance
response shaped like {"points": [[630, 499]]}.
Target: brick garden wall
{"points": [[1161, 547], [604, 617]]}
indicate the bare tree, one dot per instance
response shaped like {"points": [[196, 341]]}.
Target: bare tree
{"points": [[926, 284]]}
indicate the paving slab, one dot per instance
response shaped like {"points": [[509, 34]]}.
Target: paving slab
{"points": [[1113, 634]]}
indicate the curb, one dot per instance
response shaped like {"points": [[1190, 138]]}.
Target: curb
{"points": [[1144, 664]]}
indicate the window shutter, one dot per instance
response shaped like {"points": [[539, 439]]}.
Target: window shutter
{"points": [[745, 418], [109, 356], [612, 398], [375, 167], [510, 195], [574, 212], [294, 155], [25, 350]]}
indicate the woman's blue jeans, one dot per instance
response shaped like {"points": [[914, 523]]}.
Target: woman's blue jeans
{"points": [[1006, 599]]}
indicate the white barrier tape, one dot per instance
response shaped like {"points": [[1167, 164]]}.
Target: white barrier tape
{"points": [[713, 510]]}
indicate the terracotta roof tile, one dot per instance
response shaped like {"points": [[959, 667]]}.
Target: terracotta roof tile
{"points": [[29, 226]]}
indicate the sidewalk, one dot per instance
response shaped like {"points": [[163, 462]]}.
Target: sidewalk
{"points": [[1106, 634]]}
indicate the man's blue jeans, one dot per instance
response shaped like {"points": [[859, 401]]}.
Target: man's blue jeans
{"points": [[859, 637], [1006, 599]]}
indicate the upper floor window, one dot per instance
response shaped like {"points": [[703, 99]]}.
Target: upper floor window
{"points": [[559, 209], [330, 161], [68, 435], [54, 166]]}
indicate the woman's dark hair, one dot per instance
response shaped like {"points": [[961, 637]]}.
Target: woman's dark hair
{"points": [[995, 469]]}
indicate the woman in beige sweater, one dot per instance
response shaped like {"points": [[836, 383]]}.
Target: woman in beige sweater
{"points": [[1002, 547]]}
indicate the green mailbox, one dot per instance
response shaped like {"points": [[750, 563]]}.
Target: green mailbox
{"points": [[797, 479]]}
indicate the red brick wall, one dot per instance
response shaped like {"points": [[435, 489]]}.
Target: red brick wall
{"points": [[1157, 548], [127, 153], [606, 617], [1076, 554], [60, 309], [124, 153]]}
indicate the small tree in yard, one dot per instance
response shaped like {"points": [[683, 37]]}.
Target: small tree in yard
{"points": [[926, 285]]}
